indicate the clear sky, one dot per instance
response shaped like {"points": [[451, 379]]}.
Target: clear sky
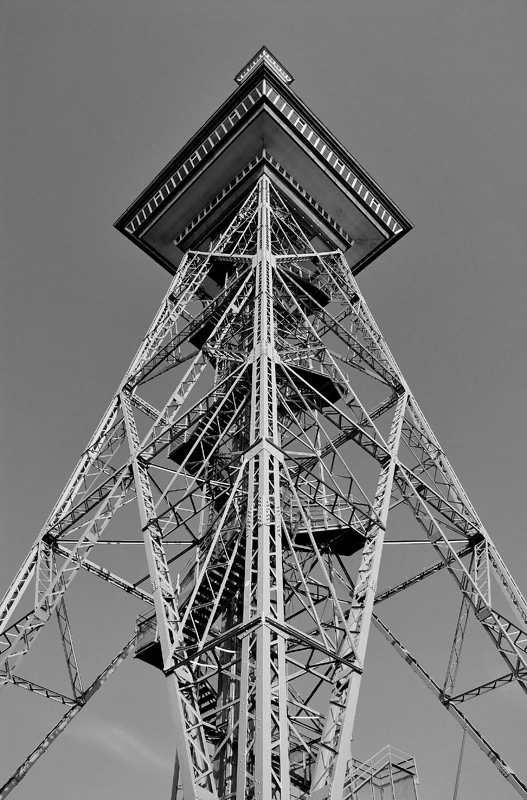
{"points": [[97, 96]]}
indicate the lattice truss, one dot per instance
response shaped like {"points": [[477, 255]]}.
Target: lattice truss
{"points": [[266, 435]]}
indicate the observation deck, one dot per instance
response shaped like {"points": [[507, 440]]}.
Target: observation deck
{"points": [[263, 127]]}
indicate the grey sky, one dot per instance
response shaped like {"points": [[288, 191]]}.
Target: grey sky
{"points": [[430, 98]]}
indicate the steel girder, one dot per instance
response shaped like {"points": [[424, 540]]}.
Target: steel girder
{"points": [[268, 439]]}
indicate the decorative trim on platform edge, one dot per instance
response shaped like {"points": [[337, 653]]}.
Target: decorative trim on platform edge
{"points": [[264, 55], [288, 112], [193, 160], [327, 153]]}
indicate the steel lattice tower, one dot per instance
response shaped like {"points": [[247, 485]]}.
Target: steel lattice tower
{"points": [[268, 438]]}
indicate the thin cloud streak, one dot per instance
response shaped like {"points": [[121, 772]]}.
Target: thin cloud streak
{"points": [[122, 743]]}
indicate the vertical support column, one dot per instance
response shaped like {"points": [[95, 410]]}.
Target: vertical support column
{"points": [[16, 591], [263, 763], [16, 641], [195, 766], [459, 636], [335, 744], [69, 650]]}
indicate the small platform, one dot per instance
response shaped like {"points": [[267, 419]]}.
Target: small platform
{"points": [[329, 522], [219, 271], [328, 531], [343, 540], [319, 393], [311, 296], [184, 442], [147, 646], [201, 453], [202, 335]]}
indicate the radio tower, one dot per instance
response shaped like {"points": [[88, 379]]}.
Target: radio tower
{"points": [[270, 443]]}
